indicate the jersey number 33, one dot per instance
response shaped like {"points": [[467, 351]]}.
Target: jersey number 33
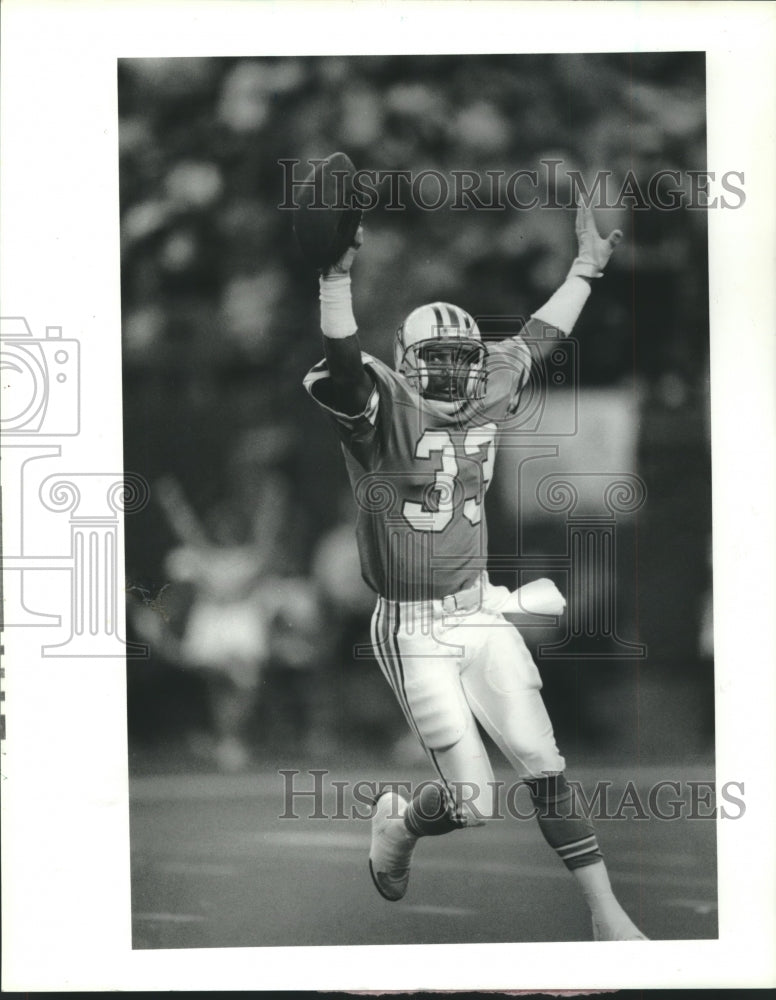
{"points": [[477, 441]]}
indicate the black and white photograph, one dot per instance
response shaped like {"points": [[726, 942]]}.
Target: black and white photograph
{"points": [[302, 548], [380, 546]]}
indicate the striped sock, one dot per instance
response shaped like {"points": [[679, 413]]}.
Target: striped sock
{"points": [[431, 811], [571, 835]]}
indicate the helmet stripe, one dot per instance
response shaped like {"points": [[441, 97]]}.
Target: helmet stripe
{"points": [[454, 319], [440, 322]]}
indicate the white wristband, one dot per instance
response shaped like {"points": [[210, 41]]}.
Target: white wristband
{"points": [[562, 309], [337, 319]]}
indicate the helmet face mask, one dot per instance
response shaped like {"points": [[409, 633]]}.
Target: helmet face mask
{"points": [[447, 370], [439, 351]]}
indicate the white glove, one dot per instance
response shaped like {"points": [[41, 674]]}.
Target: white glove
{"points": [[594, 250]]}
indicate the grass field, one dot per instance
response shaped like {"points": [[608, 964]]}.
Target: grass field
{"points": [[214, 865]]}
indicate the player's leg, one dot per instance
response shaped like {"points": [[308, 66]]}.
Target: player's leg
{"points": [[503, 686], [425, 678], [423, 668]]}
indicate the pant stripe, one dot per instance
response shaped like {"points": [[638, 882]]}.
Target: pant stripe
{"points": [[432, 756], [402, 693], [384, 656], [378, 642], [385, 641], [386, 645]]}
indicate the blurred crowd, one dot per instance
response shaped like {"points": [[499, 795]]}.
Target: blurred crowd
{"points": [[242, 572]]}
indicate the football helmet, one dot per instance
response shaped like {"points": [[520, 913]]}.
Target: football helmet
{"points": [[439, 350]]}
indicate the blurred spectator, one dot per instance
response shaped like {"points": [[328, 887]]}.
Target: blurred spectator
{"points": [[225, 633], [299, 650]]}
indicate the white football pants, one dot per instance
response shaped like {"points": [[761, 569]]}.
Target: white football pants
{"points": [[447, 671]]}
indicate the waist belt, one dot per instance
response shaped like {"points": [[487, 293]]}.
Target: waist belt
{"points": [[540, 597], [464, 600]]}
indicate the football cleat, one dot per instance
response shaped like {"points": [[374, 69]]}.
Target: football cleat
{"points": [[440, 352], [622, 930], [391, 849]]}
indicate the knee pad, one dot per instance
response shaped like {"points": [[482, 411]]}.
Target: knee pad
{"points": [[440, 713], [510, 666]]}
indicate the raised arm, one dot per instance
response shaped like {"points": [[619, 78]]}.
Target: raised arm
{"points": [[562, 309], [350, 385]]}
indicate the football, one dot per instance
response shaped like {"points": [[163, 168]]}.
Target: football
{"points": [[325, 216]]}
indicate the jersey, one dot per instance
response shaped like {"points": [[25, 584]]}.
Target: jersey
{"points": [[419, 470]]}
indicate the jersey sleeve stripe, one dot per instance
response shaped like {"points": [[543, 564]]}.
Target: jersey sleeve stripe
{"points": [[346, 419], [370, 410], [525, 352]]}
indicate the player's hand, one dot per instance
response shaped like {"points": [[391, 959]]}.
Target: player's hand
{"points": [[345, 262], [594, 250]]}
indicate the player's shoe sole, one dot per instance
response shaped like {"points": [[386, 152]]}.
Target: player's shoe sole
{"points": [[390, 852]]}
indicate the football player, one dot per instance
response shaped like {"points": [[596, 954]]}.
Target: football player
{"points": [[419, 444]]}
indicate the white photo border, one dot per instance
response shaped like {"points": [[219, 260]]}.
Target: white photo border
{"points": [[66, 894]]}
